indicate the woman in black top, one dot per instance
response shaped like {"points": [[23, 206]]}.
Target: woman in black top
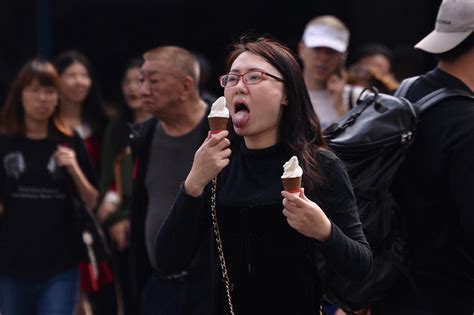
{"points": [[272, 240], [40, 174]]}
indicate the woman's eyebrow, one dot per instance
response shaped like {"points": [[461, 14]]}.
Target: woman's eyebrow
{"points": [[248, 70]]}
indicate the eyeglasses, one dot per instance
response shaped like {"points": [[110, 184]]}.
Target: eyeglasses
{"points": [[249, 78]]}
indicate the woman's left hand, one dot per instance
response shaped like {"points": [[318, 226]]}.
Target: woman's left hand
{"points": [[119, 234], [305, 216], [66, 157]]}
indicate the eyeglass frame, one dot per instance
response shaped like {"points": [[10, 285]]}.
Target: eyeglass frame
{"points": [[241, 76]]}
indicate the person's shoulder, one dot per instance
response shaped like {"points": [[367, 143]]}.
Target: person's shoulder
{"points": [[462, 103], [326, 155], [332, 168], [143, 128], [453, 116], [449, 108], [5, 139], [452, 109], [328, 159]]}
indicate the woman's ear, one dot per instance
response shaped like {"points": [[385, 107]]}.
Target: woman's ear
{"points": [[284, 100]]}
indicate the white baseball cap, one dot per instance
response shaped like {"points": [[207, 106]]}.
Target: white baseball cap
{"points": [[455, 22], [323, 33]]}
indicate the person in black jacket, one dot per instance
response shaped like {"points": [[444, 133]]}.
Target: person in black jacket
{"points": [[272, 239], [434, 188], [163, 149]]}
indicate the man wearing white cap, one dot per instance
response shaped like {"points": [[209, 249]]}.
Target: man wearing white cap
{"points": [[435, 186], [322, 50]]}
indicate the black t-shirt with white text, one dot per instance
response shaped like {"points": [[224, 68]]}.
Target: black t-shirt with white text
{"points": [[38, 230]]}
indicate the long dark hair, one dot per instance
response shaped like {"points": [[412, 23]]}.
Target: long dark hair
{"points": [[13, 114], [299, 128], [126, 112], [92, 110]]}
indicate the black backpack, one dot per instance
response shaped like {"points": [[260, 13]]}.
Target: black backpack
{"points": [[372, 140]]}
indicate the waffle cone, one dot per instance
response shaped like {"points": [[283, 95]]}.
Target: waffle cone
{"points": [[218, 123], [292, 184]]}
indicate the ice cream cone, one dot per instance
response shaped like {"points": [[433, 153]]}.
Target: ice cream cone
{"points": [[217, 124], [292, 184], [218, 116]]}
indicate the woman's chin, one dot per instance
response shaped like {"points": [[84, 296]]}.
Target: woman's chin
{"points": [[241, 131]]}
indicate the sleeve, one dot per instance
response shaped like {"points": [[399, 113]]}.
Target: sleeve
{"points": [[347, 249], [179, 238]]}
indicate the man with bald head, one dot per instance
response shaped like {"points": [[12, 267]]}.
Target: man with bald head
{"points": [[163, 149]]}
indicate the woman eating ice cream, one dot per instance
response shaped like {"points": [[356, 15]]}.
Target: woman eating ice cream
{"points": [[268, 240]]}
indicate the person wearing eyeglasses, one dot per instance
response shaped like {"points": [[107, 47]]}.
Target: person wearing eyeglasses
{"points": [[163, 150], [271, 239]]}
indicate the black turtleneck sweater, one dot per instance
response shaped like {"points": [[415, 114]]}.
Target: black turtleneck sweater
{"points": [[272, 267]]}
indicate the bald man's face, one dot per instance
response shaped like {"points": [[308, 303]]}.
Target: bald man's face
{"points": [[160, 86]]}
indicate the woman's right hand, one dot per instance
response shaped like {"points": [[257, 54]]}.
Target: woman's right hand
{"points": [[105, 210], [209, 160]]}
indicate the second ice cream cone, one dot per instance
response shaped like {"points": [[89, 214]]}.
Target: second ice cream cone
{"points": [[292, 184], [292, 175]]}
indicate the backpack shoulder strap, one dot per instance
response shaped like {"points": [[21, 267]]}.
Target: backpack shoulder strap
{"points": [[351, 97], [405, 86], [435, 97]]}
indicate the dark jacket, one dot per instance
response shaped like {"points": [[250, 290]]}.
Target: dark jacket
{"points": [[188, 293], [140, 141], [435, 191]]}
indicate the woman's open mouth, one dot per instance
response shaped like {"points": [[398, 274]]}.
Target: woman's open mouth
{"points": [[241, 115]]}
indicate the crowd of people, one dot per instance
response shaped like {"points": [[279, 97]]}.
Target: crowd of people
{"points": [[153, 175]]}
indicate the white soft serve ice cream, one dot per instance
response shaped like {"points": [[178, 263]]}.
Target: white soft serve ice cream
{"points": [[219, 109], [292, 169]]}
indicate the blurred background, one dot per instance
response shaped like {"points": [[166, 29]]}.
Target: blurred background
{"points": [[109, 32]]}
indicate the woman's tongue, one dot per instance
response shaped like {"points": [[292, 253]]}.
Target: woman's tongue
{"points": [[241, 118]]}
